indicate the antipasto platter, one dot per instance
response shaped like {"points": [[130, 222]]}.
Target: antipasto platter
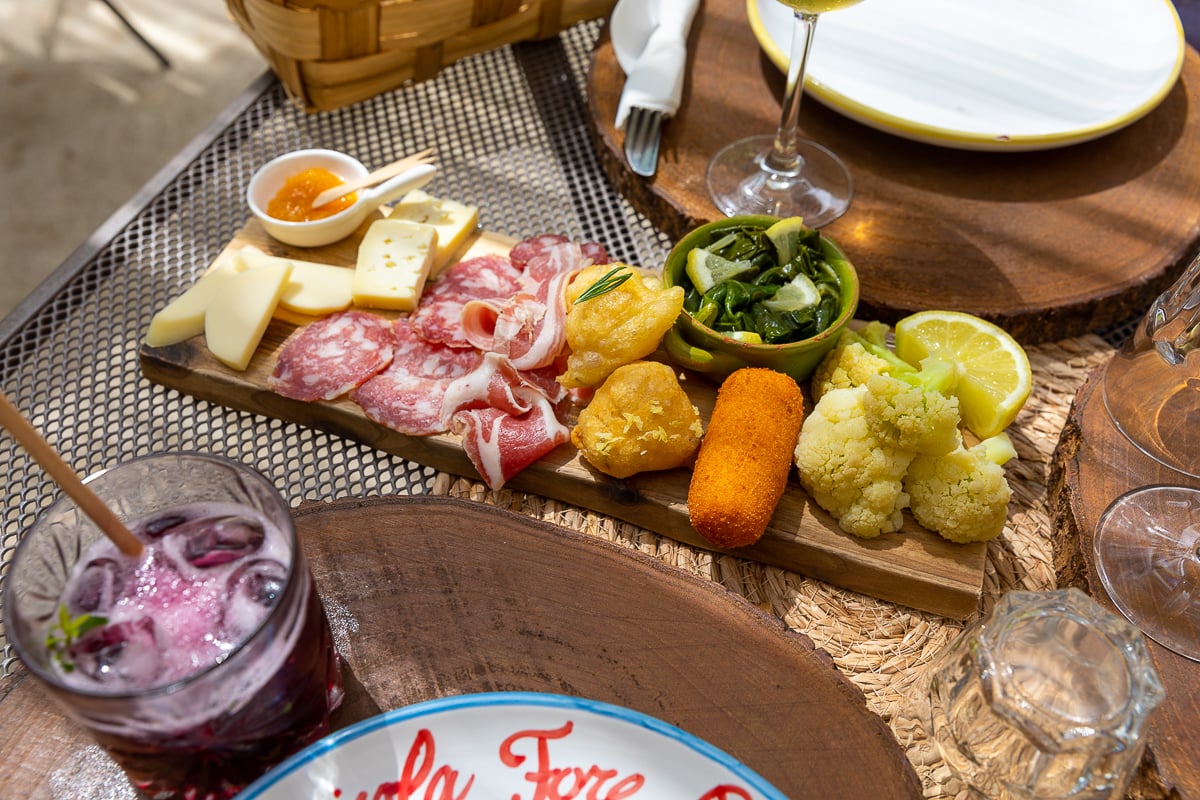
{"points": [[913, 567]]}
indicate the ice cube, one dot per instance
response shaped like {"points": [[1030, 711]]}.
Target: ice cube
{"points": [[211, 541], [97, 587], [157, 527], [254, 588], [124, 653]]}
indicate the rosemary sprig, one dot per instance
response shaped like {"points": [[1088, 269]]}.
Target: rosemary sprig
{"points": [[606, 284], [67, 631]]}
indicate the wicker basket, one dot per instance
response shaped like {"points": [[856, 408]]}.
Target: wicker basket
{"points": [[331, 53]]}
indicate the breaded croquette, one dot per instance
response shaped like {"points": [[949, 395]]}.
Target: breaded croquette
{"points": [[744, 461]]}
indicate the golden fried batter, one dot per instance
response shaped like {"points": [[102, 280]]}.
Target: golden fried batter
{"points": [[639, 420], [619, 326]]}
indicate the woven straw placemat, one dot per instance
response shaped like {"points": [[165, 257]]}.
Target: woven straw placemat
{"points": [[882, 648]]}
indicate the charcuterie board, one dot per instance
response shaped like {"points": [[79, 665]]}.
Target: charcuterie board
{"points": [[913, 567]]}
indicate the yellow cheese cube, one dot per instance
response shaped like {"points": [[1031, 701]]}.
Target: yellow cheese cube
{"points": [[393, 262], [238, 316], [183, 317], [312, 288], [453, 220]]}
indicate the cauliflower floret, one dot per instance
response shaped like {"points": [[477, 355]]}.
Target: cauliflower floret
{"points": [[848, 364], [847, 469], [912, 418], [962, 495]]}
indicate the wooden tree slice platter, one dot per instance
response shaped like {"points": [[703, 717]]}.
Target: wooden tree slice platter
{"points": [[448, 597], [913, 567], [1093, 465], [1049, 244]]}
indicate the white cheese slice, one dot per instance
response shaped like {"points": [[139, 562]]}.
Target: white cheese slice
{"points": [[183, 317], [454, 221], [238, 316], [312, 288], [394, 260]]}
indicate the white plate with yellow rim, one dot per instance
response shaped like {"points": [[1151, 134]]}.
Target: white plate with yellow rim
{"points": [[987, 75]]}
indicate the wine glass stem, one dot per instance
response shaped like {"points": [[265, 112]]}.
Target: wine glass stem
{"points": [[784, 157]]}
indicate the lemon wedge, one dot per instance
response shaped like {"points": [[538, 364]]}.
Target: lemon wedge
{"points": [[708, 269], [745, 337], [994, 376]]}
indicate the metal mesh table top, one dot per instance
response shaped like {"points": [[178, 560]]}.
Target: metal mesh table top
{"points": [[511, 135]]}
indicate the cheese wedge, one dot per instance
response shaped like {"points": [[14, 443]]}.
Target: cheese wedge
{"points": [[183, 317], [394, 260], [454, 222], [312, 288], [238, 316]]}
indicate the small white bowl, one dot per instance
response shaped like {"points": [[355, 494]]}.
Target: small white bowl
{"points": [[270, 179]]}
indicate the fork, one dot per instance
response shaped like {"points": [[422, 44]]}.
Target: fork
{"points": [[643, 130]]}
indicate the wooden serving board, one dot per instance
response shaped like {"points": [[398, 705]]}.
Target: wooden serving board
{"points": [[533, 607], [914, 568], [1049, 244], [1093, 465]]}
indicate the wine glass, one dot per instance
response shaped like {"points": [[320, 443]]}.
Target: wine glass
{"points": [[1147, 543], [785, 175]]}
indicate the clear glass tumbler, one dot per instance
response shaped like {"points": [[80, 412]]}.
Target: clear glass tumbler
{"points": [[225, 722], [1047, 697]]}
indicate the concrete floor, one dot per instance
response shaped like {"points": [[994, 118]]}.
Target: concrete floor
{"points": [[88, 115]]}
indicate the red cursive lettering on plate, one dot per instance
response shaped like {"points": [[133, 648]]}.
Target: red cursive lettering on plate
{"points": [[725, 792], [566, 783], [418, 773]]}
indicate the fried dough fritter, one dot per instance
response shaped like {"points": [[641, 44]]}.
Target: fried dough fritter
{"points": [[617, 327], [639, 420]]}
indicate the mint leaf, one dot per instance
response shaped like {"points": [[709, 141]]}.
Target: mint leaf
{"points": [[67, 631]]}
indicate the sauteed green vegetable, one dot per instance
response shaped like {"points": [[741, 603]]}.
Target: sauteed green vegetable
{"points": [[771, 285]]}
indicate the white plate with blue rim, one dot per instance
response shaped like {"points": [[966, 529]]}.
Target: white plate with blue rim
{"points": [[504, 745], [987, 75]]}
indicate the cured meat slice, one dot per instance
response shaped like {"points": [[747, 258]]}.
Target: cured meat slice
{"points": [[403, 402], [408, 396], [331, 356], [438, 317], [479, 322], [495, 383], [429, 359], [595, 251], [500, 445], [523, 251], [531, 329]]}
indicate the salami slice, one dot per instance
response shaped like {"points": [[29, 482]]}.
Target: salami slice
{"points": [[595, 251], [524, 251], [330, 357], [409, 395], [428, 359]]}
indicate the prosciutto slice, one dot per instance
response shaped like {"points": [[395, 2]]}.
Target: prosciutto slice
{"points": [[438, 317], [332, 356], [500, 445]]}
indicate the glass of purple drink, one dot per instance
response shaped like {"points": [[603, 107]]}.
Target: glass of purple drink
{"points": [[199, 664]]}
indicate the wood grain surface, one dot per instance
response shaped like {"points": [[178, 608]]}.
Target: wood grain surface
{"points": [[1093, 465], [914, 567], [1049, 244], [432, 597]]}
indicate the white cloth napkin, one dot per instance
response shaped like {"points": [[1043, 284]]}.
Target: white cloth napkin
{"points": [[655, 80]]}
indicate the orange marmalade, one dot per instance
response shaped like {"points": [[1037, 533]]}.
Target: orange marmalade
{"points": [[294, 201]]}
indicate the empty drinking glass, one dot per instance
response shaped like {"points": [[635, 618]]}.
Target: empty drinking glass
{"points": [[1047, 697]]}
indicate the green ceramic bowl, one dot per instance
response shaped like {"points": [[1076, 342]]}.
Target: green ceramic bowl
{"points": [[699, 348]]}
